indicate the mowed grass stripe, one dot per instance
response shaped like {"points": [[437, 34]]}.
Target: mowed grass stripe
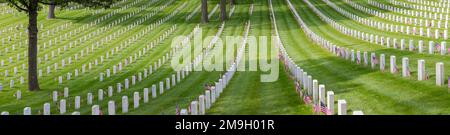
{"points": [[246, 94]]}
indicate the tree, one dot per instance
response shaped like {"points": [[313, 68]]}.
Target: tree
{"points": [[205, 11], [223, 12], [51, 10], [64, 3], [31, 7]]}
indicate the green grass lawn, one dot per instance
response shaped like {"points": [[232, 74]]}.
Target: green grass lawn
{"points": [[373, 91], [366, 89]]}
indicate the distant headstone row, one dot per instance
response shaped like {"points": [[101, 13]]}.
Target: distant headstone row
{"points": [[306, 86]]}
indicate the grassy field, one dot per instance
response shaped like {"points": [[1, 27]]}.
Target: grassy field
{"points": [[120, 33], [373, 91], [88, 82]]}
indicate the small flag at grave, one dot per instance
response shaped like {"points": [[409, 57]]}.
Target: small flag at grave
{"points": [[324, 109], [438, 47], [358, 60], [408, 73], [374, 59], [297, 87], [307, 100], [316, 108], [395, 69], [189, 109]]}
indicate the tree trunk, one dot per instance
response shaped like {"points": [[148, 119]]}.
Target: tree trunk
{"points": [[51, 11], [223, 10], [232, 2], [33, 83], [205, 11]]}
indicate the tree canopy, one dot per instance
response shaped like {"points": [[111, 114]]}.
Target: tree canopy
{"points": [[25, 5]]}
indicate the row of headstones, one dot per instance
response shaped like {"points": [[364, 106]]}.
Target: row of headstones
{"points": [[155, 64], [12, 11], [406, 11], [400, 19], [206, 100], [106, 39], [302, 76], [116, 34], [374, 38], [381, 25], [96, 110], [433, 9], [55, 31], [104, 28], [84, 27], [46, 56], [11, 60], [12, 81], [141, 53], [114, 12], [21, 40], [133, 77], [7, 29], [414, 6], [126, 61], [111, 105], [406, 72], [102, 18], [422, 14], [344, 52], [232, 11], [213, 11], [431, 3], [250, 12], [7, 10], [74, 6], [76, 71], [405, 61], [175, 79], [62, 104], [432, 46], [117, 49], [180, 75], [195, 11], [16, 27], [13, 31], [136, 98], [213, 42], [117, 4]]}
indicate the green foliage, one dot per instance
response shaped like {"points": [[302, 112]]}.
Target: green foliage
{"points": [[26, 5]]}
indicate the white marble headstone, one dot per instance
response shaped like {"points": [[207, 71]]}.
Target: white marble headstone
{"points": [[95, 110], [77, 102], [136, 100], [124, 104], [342, 107], [62, 106], [111, 108], [146, 95], [47, 109], [27, 111]]}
